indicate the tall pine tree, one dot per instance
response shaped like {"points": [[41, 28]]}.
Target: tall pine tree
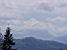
{"points": [[8, 41]]}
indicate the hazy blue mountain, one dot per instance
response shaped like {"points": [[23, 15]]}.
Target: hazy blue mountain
{"points": [[62, 39], [31, 43]]}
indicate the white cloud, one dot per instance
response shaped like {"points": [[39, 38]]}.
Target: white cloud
{"points": [[30, 23], [50, 25]]}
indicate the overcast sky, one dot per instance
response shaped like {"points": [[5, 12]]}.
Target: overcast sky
{"points": [[50, 15]]}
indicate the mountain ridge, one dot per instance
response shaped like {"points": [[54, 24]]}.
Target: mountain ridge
{"points": [[31, 43]]}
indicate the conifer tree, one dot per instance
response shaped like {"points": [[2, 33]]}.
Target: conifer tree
{"points": [[8, 41]]}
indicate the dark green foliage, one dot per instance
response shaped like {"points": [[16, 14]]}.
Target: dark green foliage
{"points": [[8, 40]]}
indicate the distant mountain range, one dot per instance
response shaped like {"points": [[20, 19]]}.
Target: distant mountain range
{"points": [[41, 34], [62, 39], [30, 43]]}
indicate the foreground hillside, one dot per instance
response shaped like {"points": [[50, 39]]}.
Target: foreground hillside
{"points": [[31, 43]]}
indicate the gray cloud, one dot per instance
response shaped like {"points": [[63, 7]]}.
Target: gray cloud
{"points": [[16, 12], [46, 7]]}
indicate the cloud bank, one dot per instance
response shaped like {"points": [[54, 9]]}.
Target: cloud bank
{"points": [[39, 14]]}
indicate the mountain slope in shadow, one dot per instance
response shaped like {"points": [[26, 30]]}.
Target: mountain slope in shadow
{"points": [[30, 43]]}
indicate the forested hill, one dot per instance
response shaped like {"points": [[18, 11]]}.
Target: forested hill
{"points": [[31, 43]]}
